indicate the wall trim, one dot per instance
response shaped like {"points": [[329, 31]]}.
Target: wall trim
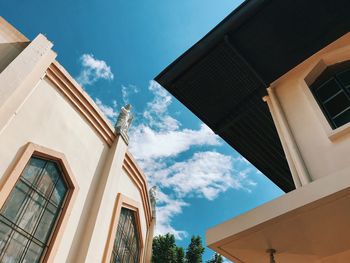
{"points": [[9, 181], [14, 35], [126, 202], [139, 179], [280, 130], [294, 152], [81, 101], [315, 69]]}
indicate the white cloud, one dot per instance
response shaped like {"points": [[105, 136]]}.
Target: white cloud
{"points": [[158, 141], [161, 101], [127, 91], [167, 208], [115, 104], [156, 113], [205, 174], [110, 112], [160, 135], [242, 159], [93, 70], [148, 143]]}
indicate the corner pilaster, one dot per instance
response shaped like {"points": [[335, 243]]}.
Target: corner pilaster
{"points": [[296, 163], [20, 77], [101, 205]]}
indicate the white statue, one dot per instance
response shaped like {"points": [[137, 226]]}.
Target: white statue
{"points": [[153, 199], [124, 121]]}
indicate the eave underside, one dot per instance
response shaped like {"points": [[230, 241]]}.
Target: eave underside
{"points": [[223, 77]]}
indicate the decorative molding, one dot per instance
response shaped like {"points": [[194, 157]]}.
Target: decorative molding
{"points": [[81, 101], [294, 152], [21, 76], [13, 35], [314, 70], [122, 201], [8, 182], [139, 179], [285, 145]]}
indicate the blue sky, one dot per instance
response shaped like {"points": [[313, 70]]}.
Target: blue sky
{"points": [[114, 48]]}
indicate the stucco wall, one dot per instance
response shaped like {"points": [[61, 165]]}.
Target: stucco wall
{"points": [[47, 119], [119, 182], [324, 151], [337, 258], [128, 188], [8, 52], [11, 43], [42, 104]]}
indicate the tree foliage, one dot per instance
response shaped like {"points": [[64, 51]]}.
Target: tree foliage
{"points": [[217, 258], [164, 249], [180, 255], [195, 250]]}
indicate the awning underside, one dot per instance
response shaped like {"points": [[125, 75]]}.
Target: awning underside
{"points": [[223, 78]]}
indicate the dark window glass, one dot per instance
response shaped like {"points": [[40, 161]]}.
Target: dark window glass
{"points": [[342, 118], [126, 248], [332, 91], [327, 90], [337, 104], [28, 217], [344, 77]]}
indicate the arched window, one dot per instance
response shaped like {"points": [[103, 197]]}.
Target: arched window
{"points": [[332, 92], [126, 247], [29, 216]]}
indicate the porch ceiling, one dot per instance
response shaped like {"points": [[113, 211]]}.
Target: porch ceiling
{"points": [[303, 226]]}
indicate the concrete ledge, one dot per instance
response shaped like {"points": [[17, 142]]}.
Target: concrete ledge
{"points": [[297, 225]]}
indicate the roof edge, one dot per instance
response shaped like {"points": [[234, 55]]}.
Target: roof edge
{"points": [[16, 35], [136, 174], [81, 101], [234, 20]]}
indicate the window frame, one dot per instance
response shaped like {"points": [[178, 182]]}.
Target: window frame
{"points": [[9, 179], [331, 72], [123, 201], [313, 69]]}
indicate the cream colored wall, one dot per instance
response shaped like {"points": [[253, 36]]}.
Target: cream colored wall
{"points": [[323, 150], [93, 242], [128, 188], [11, 43], [343, 257], [33, 109], [8, 52], [118, 183], [47, 119]]}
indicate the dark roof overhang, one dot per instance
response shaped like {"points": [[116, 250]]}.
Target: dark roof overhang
{"points": [[224, 76]]}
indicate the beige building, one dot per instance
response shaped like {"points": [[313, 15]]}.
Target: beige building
{"points": [[311, 223], [273, 80], [70, 190]]}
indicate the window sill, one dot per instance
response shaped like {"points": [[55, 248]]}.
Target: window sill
{"points": [[339, 132]]}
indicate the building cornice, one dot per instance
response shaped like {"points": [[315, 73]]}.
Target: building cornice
{"points": [[13, 35], [81, 101], [139, 179]]}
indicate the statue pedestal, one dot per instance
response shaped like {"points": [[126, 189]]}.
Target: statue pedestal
{"points": [[123, 134]]}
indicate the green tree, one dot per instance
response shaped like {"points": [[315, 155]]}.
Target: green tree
{"points": [[180, 255], [217, 258], [195, 250], [164, 249]]}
